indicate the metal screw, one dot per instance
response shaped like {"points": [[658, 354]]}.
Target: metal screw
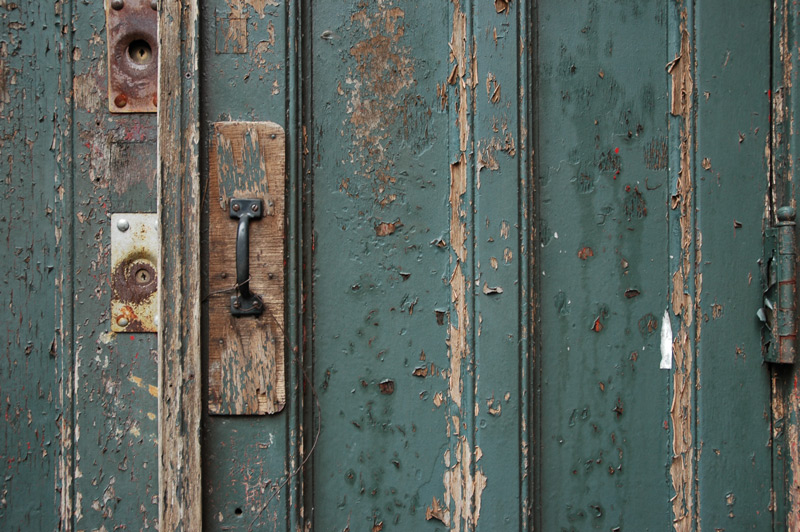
{"points": [[273, 136], [154, 4], [122, 322], [117, 4], [121, 100], [254, 207], [123, 225], [235, 207]]}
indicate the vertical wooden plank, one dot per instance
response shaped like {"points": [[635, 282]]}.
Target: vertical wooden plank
{"points": [[34, 443], [179, 377], [730, 181], [245, 361], [500, 255], [392, 452], [115, 376], [252, 464], [602, 273]]}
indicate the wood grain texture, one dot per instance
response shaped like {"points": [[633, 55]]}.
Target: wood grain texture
{"points": [[179, 392], [246, 353]]}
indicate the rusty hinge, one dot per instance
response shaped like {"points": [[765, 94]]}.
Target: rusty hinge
{"points": [[132, 35], [779, 336]]}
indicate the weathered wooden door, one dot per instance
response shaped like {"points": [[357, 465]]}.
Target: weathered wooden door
{"points": [[520, 246]]}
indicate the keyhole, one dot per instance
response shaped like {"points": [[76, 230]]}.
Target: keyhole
{"points": [[142, 276], [140, 52]]}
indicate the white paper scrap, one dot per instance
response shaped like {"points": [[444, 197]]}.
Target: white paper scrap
{"points": [[666, 342]]}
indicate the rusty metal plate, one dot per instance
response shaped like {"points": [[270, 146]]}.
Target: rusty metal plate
{"points": [[134, 273], [132, 27]]}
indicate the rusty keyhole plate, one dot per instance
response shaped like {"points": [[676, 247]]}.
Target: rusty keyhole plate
{"points": [[134, 274], [132, 27]]}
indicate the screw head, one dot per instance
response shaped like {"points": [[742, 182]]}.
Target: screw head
{"points": [[117, 4], [121, 100], [254, 207], [235, 207], [237, 304], [122, 322], [154, 4], [123, 224]]}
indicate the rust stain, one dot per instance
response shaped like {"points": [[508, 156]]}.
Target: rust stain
{"points": [[683, 304]]}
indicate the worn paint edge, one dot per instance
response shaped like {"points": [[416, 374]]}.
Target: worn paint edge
{"points": [[179, 355], [682, 466], [463, 484], [64, 238]]}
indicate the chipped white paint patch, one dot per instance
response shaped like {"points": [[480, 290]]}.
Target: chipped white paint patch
{"points": [[666, 342]]}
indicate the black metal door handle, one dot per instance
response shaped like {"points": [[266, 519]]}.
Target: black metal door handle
{"points": [[245, 302]]}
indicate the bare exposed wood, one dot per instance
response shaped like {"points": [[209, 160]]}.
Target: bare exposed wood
{"points": [[245, 369], [179, 392]]}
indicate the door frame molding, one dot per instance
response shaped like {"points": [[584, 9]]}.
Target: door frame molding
{"points": [[179, 354]]}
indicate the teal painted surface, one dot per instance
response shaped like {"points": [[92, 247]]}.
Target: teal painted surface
{"points": [[379, 142], [32, 117], [80, 441], [570, 431], [606, 151], [603, 183], [115, 434], [418, 293], [733, 397], [250, 464]]}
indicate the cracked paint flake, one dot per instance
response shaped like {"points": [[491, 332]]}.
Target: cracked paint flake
{"points": [[463, 480], [683, 303]]}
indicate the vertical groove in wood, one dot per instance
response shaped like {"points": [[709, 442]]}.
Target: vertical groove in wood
{"points": [[179, 376], [301, 418], [63, 343]]}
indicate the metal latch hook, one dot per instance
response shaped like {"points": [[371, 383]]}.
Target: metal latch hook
{"points": [[245, 302]]}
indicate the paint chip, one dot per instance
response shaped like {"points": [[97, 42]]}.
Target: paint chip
{"points": [[386, 229], [387, 387], [438, 512], [488, 290], [666, 342]]}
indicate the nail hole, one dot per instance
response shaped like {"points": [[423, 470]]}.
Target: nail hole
{"points": [[238, 511]]}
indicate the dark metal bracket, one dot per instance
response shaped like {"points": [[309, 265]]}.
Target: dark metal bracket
{"points": [[780, 289], [245, 302]]}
